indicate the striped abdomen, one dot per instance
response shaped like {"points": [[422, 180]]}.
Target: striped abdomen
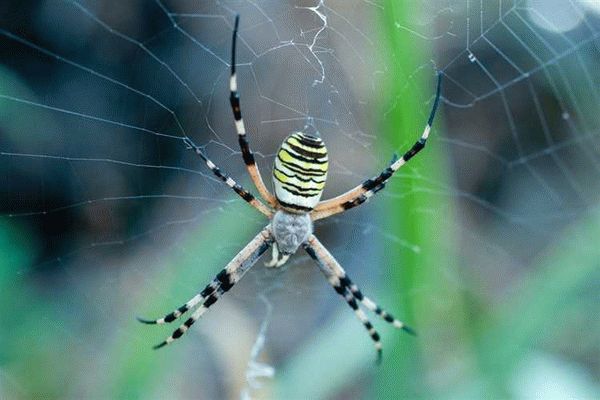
{"points": [[300, 171]]}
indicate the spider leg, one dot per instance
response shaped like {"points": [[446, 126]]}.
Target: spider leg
{"points": [[362, 317], [200, 297], [372, 306], [243, 193], [247, 154], [229, 276], [344, 287], [274, 258], [177, 333], [357, 201], [336, 269], [368, 188]]}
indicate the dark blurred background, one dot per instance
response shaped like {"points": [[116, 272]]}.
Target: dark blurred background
{"points": [[486, 242]]}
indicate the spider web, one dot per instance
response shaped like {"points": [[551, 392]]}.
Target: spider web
{"points": [[120, 219]]}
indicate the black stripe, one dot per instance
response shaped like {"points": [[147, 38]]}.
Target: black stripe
{"points": [[360, 199], [436, 101], [246, 152], [263, 247], [300, 192], [385, 175], [300, 188], [306, 153], [414, 150], [340, 290], [309, 160], [177, 334], [158, 346], [409, 330], [296, 193], [218, 173], [310, 141], [225, 278], [311, 252], [212, 299], [233, 42], [171, 317], [183, 308], [294, 206], [378, 188], [300, 169], [352, 303], [355, 202], [189, 322], [243, 193], [300, 178], [347, 282], [209, 289]]}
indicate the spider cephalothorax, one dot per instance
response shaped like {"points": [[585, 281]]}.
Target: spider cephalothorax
{"points": [[289, 230], [299, 175]]}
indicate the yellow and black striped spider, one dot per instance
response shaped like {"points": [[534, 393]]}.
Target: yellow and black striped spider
{"points": [[299, 177]]}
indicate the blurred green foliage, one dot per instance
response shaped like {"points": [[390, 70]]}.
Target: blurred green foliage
{"points": [[408, 360]]}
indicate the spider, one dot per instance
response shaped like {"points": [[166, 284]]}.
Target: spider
{"points": [[299, 174]]}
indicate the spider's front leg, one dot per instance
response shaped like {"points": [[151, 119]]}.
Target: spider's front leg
{"points": [[225, 178], [368, 188], [229, 276], [234, 100]]}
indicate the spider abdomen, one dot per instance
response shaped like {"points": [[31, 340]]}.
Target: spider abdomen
{"points": [[290, 230], [300, 171]]}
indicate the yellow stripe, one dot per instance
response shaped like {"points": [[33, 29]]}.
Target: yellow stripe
{"points": [[304, 185], [280, 177], [289, 158]]}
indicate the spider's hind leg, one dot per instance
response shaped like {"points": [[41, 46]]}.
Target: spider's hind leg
{"points": [[194, 301], [342, 284], [372, 306], [229, 276], [351, 300]]}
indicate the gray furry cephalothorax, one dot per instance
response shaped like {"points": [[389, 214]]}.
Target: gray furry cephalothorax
{"points": [[290, 230]]}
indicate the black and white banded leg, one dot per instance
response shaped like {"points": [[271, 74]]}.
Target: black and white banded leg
{"points": [[334, 281], [368, 188], [370, 304], [193, 302], [243, 193], [229, 276], [347, 295], [247, 154], [342, 284]]}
